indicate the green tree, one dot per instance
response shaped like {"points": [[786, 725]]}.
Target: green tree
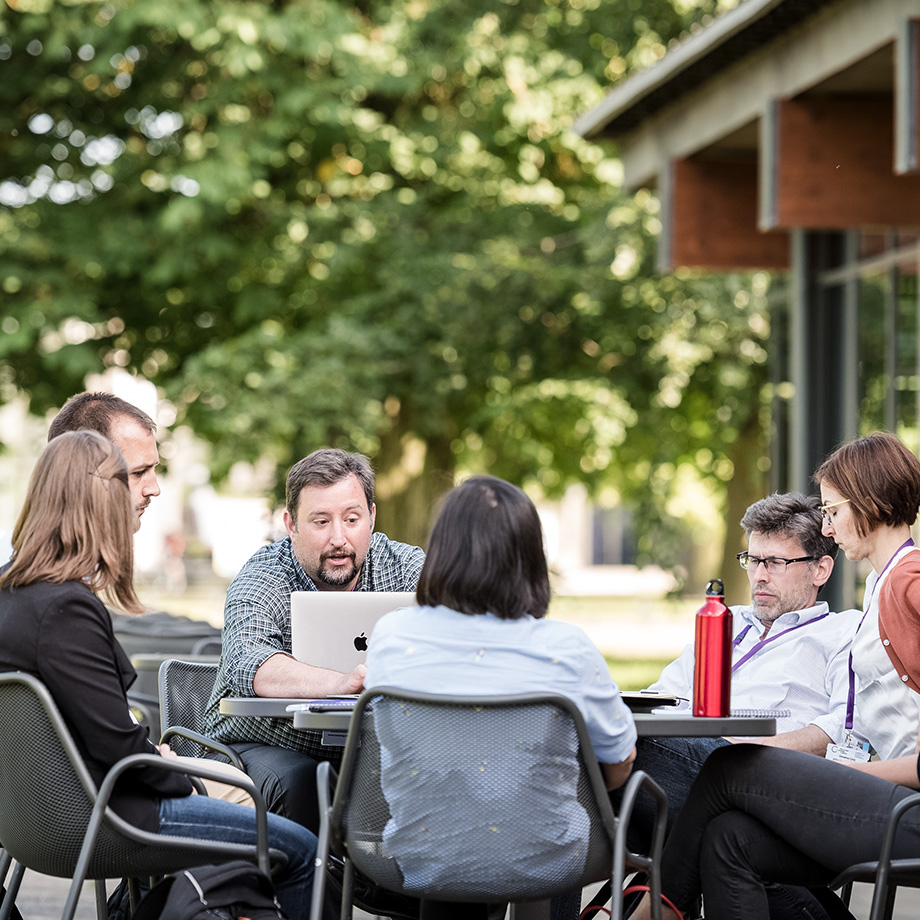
{"points": [[366, 225]]}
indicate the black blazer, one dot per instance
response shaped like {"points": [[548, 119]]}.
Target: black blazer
{"points": [[63, 635]]}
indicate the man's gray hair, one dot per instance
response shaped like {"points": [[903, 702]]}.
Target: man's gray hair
{"points": [[791, 514], [325, 467]]}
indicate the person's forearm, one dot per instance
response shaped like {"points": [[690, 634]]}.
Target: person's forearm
{"points": [[810, 739], [901, 770], [615, 774], [283, 676]]}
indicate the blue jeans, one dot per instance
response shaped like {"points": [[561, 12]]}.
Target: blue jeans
{"points": [[201, 817]]}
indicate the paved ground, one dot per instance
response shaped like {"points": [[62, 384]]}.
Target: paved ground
{"points": [[42, 898]]}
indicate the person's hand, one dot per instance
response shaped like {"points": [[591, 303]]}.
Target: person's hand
{"points": [[353, 682], [166, 751]]}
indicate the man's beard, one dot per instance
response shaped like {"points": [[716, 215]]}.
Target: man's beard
{"points": [[339, 576]]}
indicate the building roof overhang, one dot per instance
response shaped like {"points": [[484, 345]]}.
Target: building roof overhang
{"points": [[778, 115], [729, 38]]}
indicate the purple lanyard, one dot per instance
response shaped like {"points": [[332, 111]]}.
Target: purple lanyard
{"points": [[851, 693], [766, 641]]}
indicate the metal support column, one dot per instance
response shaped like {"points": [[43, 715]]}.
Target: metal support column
{"points": [[823, 369]]}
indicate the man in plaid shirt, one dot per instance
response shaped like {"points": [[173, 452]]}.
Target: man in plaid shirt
{"points": [[330, 546]]}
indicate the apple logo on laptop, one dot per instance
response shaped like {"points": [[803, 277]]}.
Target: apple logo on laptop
{"points": [[361, 643]]}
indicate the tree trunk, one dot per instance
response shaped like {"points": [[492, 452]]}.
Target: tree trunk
{"points": [[411, 476]]}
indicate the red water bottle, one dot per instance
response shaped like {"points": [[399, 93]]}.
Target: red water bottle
{"points": [[712, 672]]}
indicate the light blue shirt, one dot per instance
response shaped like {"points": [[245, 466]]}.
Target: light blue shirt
{"points": [[437, 650]]}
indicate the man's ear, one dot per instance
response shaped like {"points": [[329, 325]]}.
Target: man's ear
{"points": [[373, 516], [289, 524], [823, 570]]}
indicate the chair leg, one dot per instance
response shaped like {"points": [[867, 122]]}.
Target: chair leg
{"points": [[102, 907], [134, 892], [846, 893], [8, 904], [322, 843], [73, 898], [883, 901], [348, 885], [890, 895]]}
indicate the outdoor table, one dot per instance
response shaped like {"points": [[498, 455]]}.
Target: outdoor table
{"points": [[647, 724]]}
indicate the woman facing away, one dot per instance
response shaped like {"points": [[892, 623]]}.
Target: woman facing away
{"points": [[757, 815], [480, 629], [73, 543]]}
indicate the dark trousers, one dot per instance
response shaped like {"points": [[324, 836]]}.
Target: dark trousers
{"points": [[759, 814], [287, 780], [673, 763]]}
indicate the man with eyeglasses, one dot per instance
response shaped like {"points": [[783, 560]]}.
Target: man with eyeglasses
{"points": [[789, 654]]}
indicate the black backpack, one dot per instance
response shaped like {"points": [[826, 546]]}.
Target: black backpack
{"points": [[227, 892]]}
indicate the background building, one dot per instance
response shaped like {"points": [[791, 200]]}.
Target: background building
{"points": [[785, 136]]}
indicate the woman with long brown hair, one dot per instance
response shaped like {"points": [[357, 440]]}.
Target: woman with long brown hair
{"points": [[73, 545]]}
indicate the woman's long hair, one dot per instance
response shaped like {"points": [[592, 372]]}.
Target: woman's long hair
{"points": [[77, 522]]}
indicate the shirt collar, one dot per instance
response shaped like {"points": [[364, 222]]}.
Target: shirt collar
{"points": [[792, 618]]}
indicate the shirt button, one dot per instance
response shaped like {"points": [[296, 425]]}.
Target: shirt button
{"points": [[885, 642], [905, 678]]}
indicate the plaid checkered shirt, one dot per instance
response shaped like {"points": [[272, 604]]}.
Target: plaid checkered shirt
{"points": [[257, 625]]}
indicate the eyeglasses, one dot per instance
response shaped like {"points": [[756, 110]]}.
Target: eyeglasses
{"points": [[823, 509], [775, 565]]}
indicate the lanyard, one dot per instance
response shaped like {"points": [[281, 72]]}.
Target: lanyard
{"points": [[851, 693], [768, 640]]}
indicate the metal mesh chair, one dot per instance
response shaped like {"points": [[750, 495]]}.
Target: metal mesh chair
{"points": [[886, 873], [53, 819], [476, 799], [185, 688]]}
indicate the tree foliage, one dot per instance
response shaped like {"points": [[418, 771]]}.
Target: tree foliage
{"points": [[367, 225]]}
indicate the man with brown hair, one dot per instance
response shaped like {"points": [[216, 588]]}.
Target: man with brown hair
{"points": [[131, 430], [330, 545]]}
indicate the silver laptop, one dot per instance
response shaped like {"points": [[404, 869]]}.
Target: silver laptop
{"points": [[330, 629]]}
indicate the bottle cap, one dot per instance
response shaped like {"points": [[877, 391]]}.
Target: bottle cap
{"points": [[715, 589]]}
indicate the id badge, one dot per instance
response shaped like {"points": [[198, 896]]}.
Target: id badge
{"points": [[851, 750]]}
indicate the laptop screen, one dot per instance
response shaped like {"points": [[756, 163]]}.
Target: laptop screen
{"points": [[330, 629]]}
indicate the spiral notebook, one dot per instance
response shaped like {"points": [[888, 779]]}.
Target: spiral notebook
{"points": [[761, 713]]}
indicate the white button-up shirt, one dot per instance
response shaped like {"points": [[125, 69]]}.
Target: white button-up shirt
{"points": [[804, 671]]}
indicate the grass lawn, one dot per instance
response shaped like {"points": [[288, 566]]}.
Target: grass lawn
{"points": [[636, 673], [637, 635], [590, 609]]}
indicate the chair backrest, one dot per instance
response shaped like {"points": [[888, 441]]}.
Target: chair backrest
{"points": [[47, 798], [472, 798], [46, 792], [185, 688]]}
